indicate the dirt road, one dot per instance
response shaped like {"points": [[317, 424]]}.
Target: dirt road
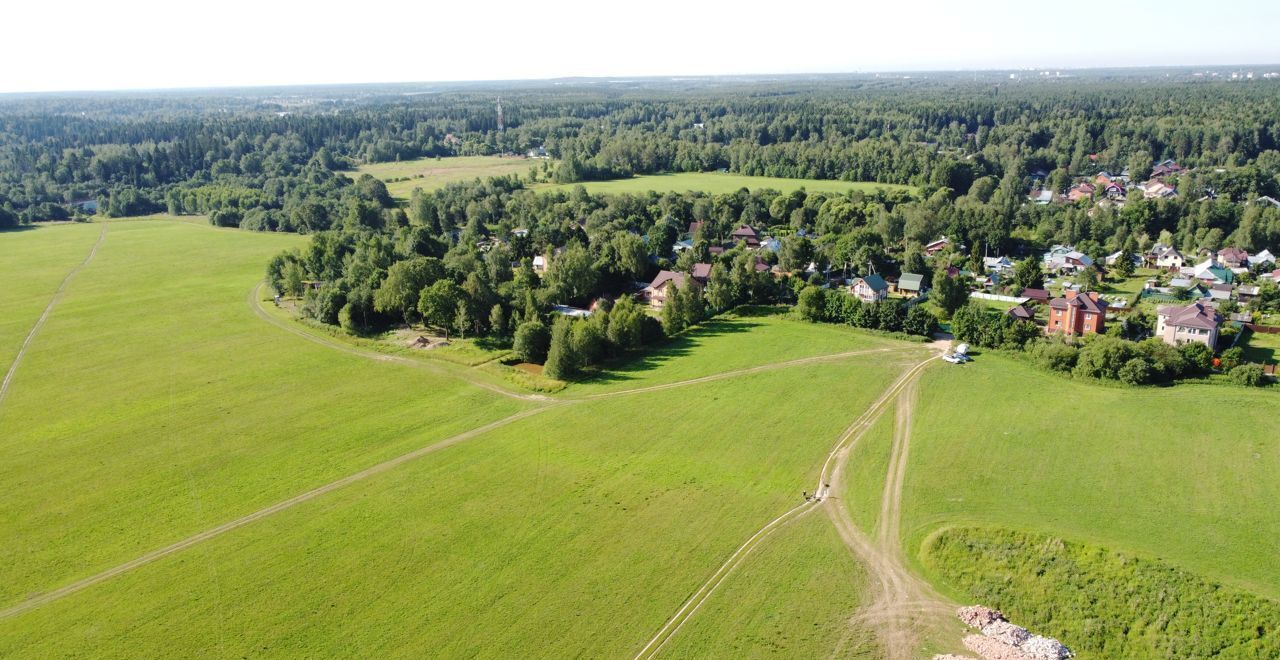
{"points": [[35, 329], [902, 604], [828, 482]]}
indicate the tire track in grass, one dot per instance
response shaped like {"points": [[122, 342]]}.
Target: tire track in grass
{"points": [[902, 601], [48, 309], [80, 585], [831, 468]]}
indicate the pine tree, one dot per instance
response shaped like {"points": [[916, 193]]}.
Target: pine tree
{"points": [[561, 358], [673, 311]]}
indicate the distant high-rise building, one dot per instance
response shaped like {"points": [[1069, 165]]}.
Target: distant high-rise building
{"points": [[500, 127]]}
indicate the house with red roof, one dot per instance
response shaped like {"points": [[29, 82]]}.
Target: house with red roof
{"points": [[1077, 314]]}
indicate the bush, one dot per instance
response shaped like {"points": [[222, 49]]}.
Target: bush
{"points": [[1103, 357], [1197, 357], [1249, 375], [1166, 361], [812, 304], [1135, 372], [531, 342], [1055, 355]]}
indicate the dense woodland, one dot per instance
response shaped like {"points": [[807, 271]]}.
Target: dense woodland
{"points": [[279, 160]]}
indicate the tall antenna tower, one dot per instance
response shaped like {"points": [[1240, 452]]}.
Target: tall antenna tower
{"points": [[501, 128]]}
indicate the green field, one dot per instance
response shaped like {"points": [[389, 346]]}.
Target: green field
{"points": [[162, 399], [48, 254], [1184, 474], [718, 182], [178, 408], [433, 173], [793, 598], [154, 404]]}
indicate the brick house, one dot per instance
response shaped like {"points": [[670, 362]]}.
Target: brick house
{"points": [[1077, 314]]}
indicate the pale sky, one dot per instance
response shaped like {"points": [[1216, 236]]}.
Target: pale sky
{"points": [[138, 44]]}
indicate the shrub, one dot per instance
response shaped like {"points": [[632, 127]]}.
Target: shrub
{"points": [[1166, 361], [812, 304], [1103, 357], [531, 341], [1249, 375], [1108, 604], [1055, 355], [1135, 372], [1197, 357]]}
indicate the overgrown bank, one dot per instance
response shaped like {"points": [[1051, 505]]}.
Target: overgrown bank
{"points": [[1108, 604]]}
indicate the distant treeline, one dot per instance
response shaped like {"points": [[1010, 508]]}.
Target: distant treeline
{"points": [[134, 155]]}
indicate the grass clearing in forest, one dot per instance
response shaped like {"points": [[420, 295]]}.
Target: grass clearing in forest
{"points": [[717, 183], [1185, 474], [434, 173]]}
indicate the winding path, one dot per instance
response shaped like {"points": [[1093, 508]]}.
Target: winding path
{"points": [[902, 603], [35, 329], [829, 477]]}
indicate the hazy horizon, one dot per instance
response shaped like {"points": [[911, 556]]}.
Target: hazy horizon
{"points": [[147, 45]]}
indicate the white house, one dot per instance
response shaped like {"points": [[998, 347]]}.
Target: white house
{"points": [[870, 288], [1196, 322]]}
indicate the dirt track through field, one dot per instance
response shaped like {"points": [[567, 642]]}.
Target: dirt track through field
{"points": [[737, 372], [79, 585], [35, 329], [902, 604], [828, 479]]}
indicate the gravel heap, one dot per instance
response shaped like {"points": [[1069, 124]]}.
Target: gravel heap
{"points": [[1001, 640], [978, 616]]}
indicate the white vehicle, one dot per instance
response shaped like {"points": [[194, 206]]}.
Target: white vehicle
{"points": [[959, 356]]}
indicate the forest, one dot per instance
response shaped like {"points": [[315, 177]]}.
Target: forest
{"points": [[282, 160]]}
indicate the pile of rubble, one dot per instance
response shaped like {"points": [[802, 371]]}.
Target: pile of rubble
{"points": [[1002, 640]]}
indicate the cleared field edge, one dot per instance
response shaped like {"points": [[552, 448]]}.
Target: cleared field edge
{"points": [[44, 316]]}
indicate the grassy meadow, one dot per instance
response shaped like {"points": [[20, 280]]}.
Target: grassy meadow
{"points": [[791, 598], [33, 263], [718, 182], [751, 338], [433, 173], [1183, 474], [154, 404], [537, 537], [178, 409]]}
